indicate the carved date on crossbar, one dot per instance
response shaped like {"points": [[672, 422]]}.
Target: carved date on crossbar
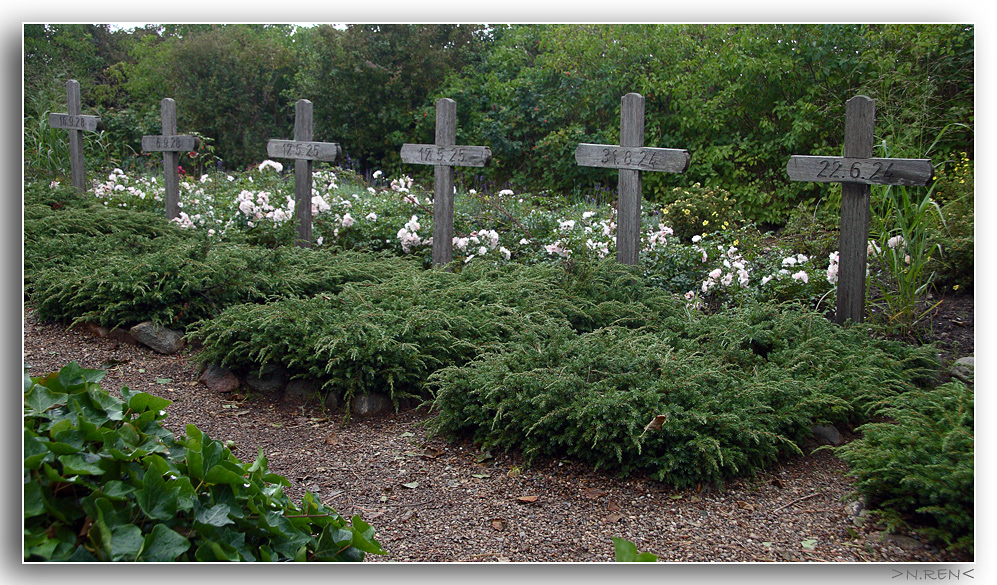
{"points": [[856, 171], [444, 156], [631, 157], [303, 150]]}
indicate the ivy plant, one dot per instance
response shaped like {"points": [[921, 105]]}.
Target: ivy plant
{"points": [[105, 481]]}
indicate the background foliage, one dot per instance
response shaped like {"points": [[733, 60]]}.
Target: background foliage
{"points": [[740, 98]]}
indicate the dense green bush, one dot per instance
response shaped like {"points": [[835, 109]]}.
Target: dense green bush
{"points": [[954, 266], [739, 389], [193, 279], [388, 336], [104, 481], [916, 466]]}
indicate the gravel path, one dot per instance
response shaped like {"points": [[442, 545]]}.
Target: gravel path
{"points": [[434, 501]]}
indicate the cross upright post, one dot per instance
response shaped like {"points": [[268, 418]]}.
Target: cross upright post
{"points": [[631, 157], [171, 145], [444, 156], [303, 150], [75, 123], [856, 171]]}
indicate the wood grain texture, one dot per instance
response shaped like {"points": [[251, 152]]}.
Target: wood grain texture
{"points": [[443, 184], [866, 171], [303, 175], [860, 120], [629, 186], [668, 160], [458, 156]]}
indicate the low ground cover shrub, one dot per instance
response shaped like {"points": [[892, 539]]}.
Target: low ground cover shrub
{"points": [[389, 335], [738, 390], [104, 481], [916, 466]]}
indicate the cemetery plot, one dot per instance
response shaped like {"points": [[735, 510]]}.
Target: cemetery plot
{"points": [[444, 155], [856, 171], [303, 150], [75, 122], [171, 145], [631, 157]]}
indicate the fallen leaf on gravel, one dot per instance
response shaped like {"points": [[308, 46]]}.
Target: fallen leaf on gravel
{"points": [[480, 475], [406, 434], [612, 507], [613, 518], [592, 493], [163, 380], [411, 485], [331, 439], [778, 483], [498, 524], [408, 516], [810, 543], [675, 497], [514, 472], [485, 456], [744, 505], [527, 499]]}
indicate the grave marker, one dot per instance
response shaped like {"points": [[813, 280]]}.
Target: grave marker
{"points": [[75, 123], [631, 157], [856, 170], [171, 145], [444, 156], [303, 150]]}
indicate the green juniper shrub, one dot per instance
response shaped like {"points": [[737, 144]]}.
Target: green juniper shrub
{"points": [[915, 467], [105, 481], [739, 389]]}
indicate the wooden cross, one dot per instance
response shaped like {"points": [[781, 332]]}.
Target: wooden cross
{"points": [[74, 122], [303, 150], [171, 145], [856, 170], [631, 157], [444, 156]]}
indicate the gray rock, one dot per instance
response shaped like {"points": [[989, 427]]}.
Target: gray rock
{"points": [[963, 369], [368, 404], [273, 378], [301, 391], [904, 542], [219, 379], [827, 435], [160, 339]]}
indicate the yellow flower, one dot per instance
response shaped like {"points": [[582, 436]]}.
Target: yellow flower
{"points": [[686, 210], [736, 242], [956, 287], [706, 222]]}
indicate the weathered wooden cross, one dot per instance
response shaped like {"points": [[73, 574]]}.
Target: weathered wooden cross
{"points": [[74, 122], [303, 150], [444, 155], [631, 157], [171, 145], [856, 170]]}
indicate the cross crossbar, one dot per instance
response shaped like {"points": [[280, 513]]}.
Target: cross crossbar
{"points": [[856, 171], [75, 122], [444, 156], [171, 145], [631, 157], [303, 150]]}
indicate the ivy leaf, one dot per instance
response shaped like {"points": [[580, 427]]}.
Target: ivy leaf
{"points": [[163, 545], [216, 515], [81, 464], [126, 542], [156, 499], [39, 399]]}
